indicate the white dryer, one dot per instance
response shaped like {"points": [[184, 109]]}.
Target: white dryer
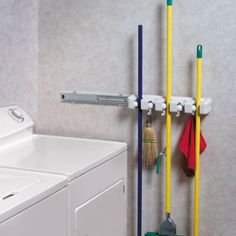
{"points": [[32, 204], [96, 172]]}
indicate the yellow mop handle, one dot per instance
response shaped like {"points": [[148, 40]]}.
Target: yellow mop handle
{"points": [[197, 144], [168, 100]]}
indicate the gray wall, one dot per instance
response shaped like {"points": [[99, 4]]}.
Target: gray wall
{"points": [[19, 54], [91, 46]]}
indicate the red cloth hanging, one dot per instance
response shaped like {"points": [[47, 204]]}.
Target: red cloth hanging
{"points": [[187, 144]]}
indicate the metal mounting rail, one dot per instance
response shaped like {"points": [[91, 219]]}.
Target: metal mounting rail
{"points": [[99, 99]]}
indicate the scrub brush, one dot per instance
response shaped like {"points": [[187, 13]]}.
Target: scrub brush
{"points": [[149, 142]]}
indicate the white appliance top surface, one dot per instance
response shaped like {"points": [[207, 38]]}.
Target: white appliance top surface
{"points": [[21, 189], [14, 183], [69, 156]]}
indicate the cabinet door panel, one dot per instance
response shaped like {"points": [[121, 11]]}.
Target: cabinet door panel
{"points": [[103, 215]]}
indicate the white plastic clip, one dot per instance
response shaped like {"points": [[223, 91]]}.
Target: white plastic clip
{"points": [[150, 107], [148, 102], [132, 102], [179, 109], [194, 108], [206, 106], [188, 105], [163, 113], [160, 105]]}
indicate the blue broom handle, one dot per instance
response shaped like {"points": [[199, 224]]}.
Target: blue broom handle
{"points": [[140, 127]]}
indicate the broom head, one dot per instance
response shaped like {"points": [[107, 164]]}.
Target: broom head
{"points": [[149, 143]]}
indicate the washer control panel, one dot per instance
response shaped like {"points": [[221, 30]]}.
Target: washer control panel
{"points": [[13, 120], [16, 114]]}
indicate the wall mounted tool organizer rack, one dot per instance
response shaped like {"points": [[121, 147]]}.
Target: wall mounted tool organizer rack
{"points": [[166, 106], [178, 105]]}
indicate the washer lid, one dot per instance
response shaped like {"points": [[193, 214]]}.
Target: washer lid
{"points": [[22, 189], [68, 156], [14, 184]]}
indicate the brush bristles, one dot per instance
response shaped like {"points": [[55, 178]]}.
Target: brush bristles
{"points": [[149, 146]]}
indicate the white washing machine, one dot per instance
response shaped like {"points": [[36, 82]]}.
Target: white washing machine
{"points": [[32, 204], [96, 172]]}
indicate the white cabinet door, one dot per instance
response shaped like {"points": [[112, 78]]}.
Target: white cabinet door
{"points": [[103, 215]]}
